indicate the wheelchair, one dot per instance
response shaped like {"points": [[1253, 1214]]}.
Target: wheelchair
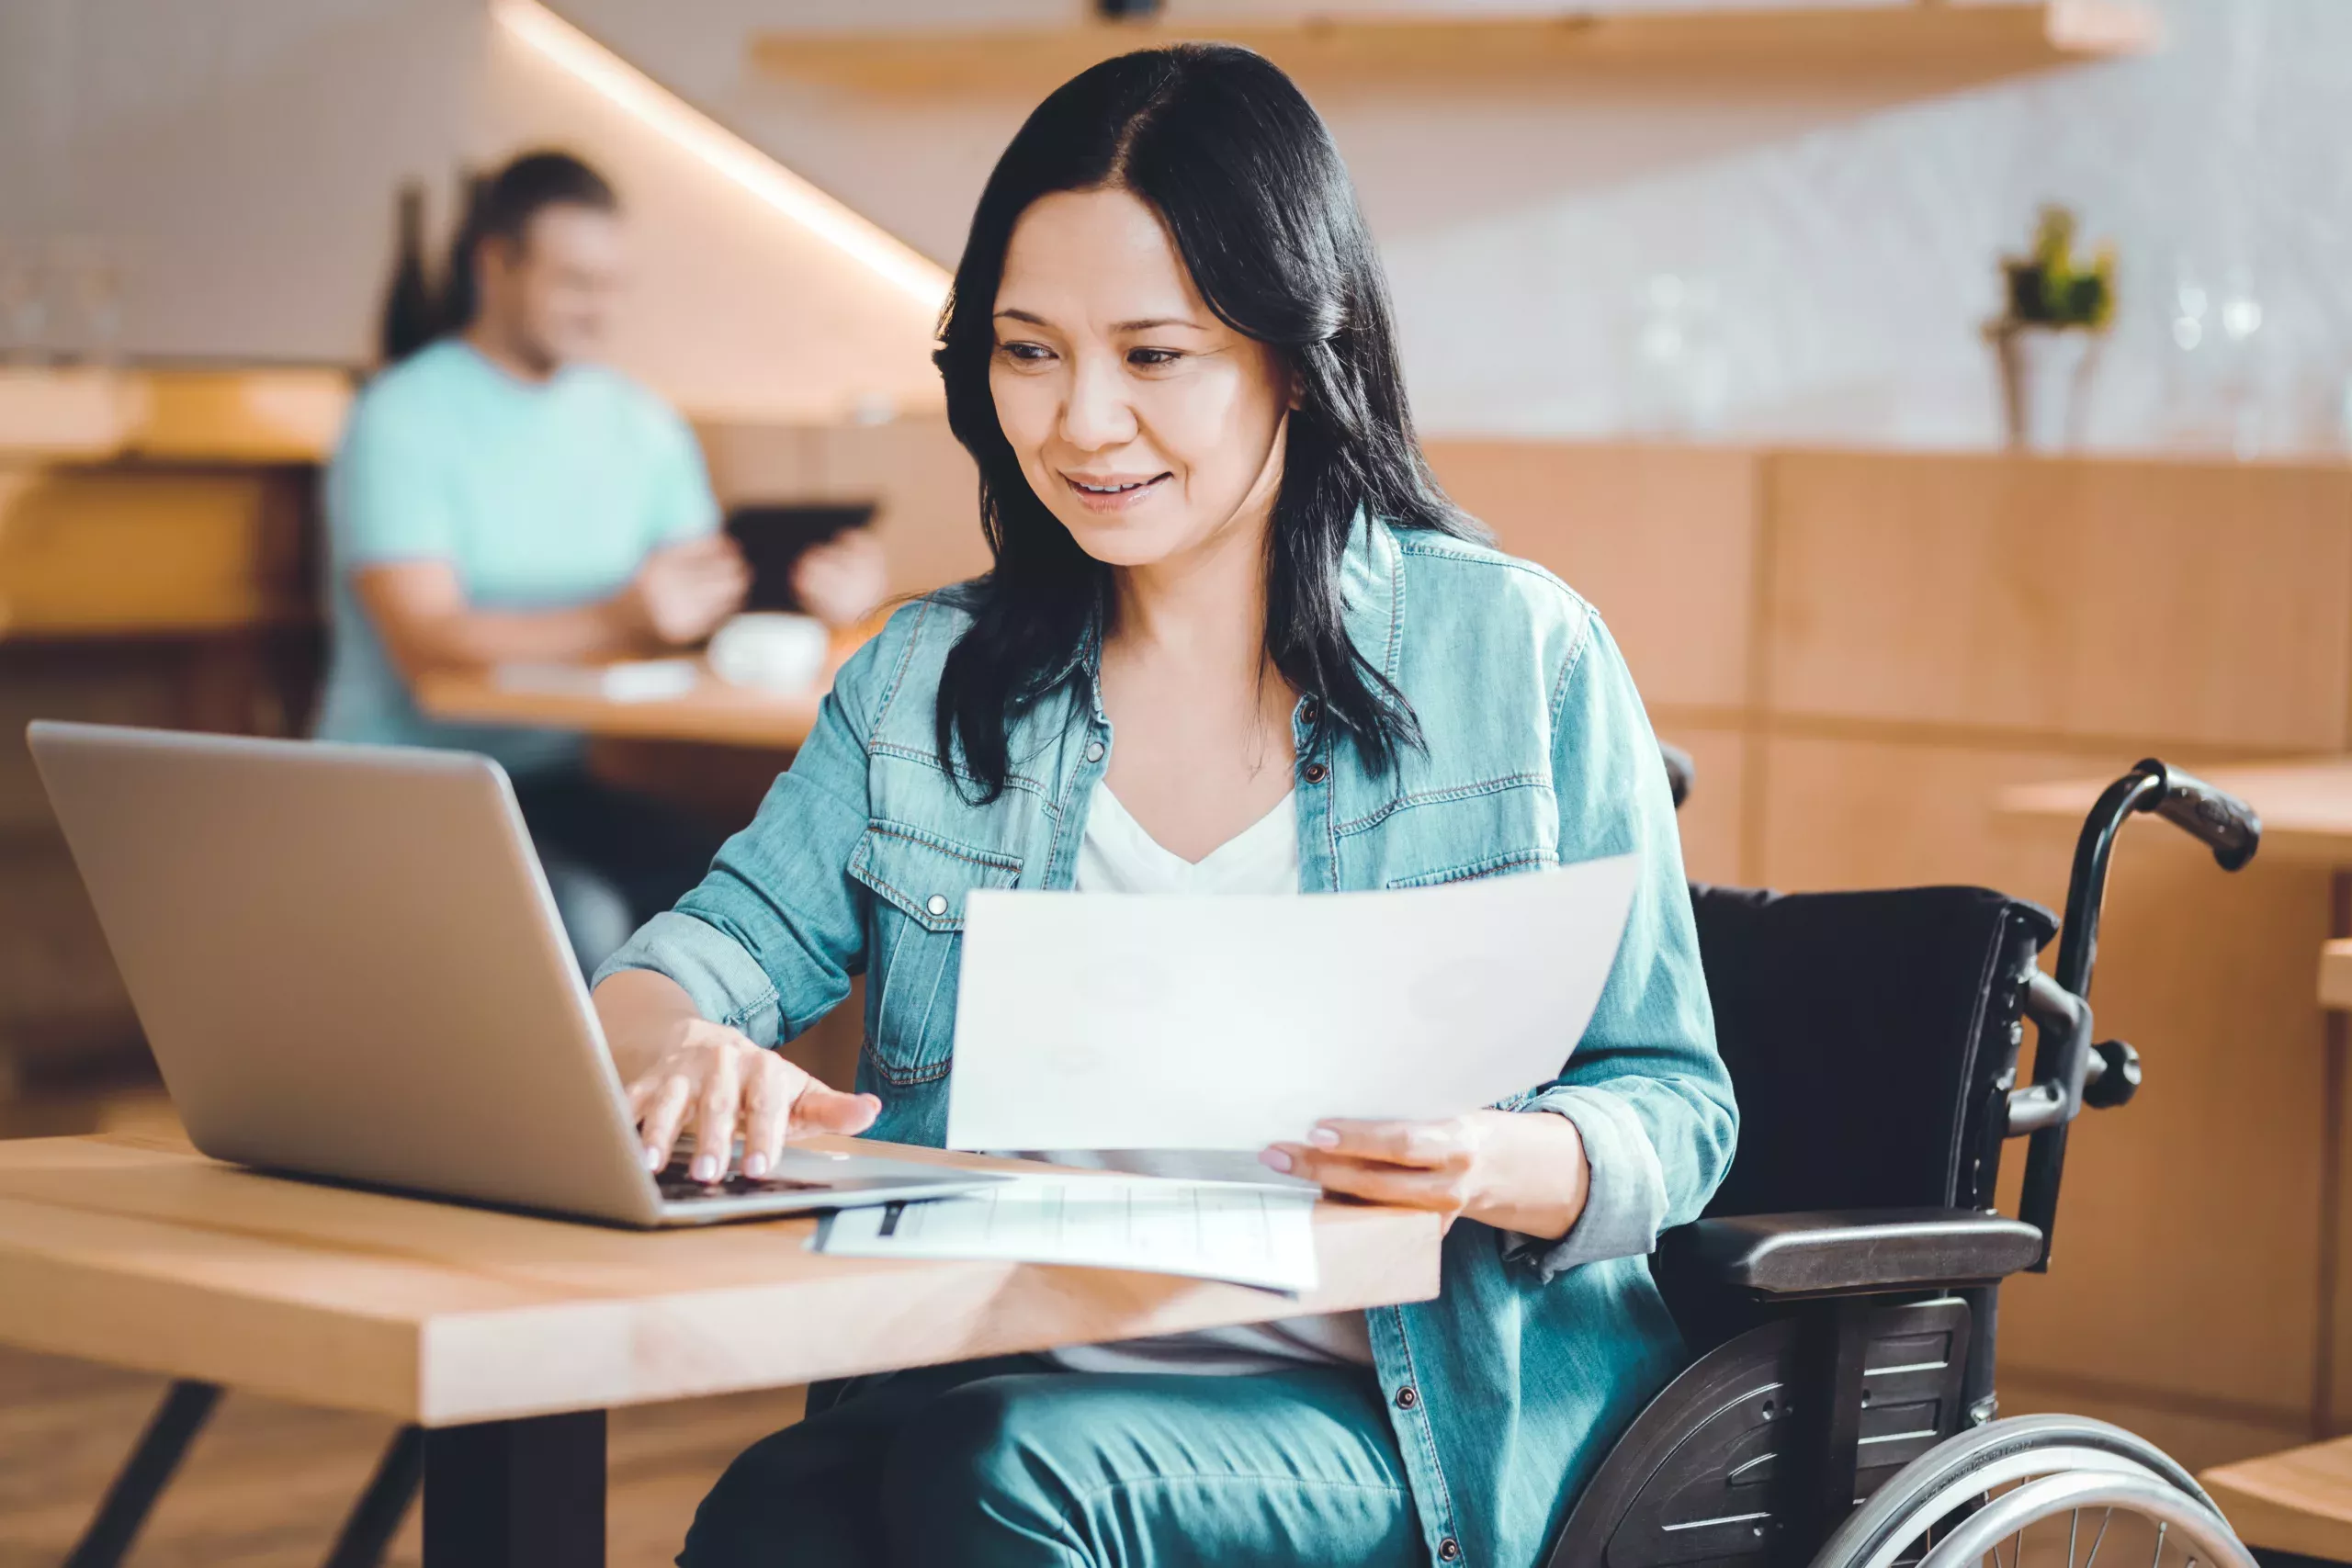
{"points": [[1841, 1292]]}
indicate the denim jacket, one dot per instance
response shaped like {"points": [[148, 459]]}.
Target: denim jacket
{"points": [[1508, 1389]]}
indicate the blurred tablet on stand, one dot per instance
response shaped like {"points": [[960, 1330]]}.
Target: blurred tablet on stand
{"points": [[774, 538]]}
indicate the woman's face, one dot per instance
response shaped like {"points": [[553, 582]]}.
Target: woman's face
{"points": [[1145, 423]]}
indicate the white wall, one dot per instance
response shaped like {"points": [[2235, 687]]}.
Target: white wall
{"points": [[239, 159], [243, 152], [1851, 244], [238, 156]]}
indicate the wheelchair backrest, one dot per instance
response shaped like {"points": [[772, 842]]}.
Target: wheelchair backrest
{"points": [[1869, 1037]]}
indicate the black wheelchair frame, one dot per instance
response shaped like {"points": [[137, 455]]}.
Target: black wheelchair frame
{"points": [[1842, 1291]]}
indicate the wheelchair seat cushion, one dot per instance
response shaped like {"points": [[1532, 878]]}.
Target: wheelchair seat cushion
{"points": [[1865, 1034]]}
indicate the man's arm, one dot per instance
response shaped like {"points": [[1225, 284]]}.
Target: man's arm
{"points": [[679, 596]]}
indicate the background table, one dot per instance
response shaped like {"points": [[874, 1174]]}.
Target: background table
{"points": [[715, 712], [508, 1337]]}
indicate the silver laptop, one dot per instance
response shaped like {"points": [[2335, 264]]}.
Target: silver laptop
{"points": [[349, 964]]}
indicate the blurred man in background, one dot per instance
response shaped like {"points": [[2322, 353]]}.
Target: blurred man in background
{"points": [[498, 497]]}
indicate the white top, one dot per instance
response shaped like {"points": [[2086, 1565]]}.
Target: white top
{"points": [[1117, 856]]}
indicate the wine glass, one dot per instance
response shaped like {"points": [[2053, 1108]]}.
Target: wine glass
{"points": [[88, 287], [2239, 314]]}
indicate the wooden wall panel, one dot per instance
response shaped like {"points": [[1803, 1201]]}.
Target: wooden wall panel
{"points": [[1712, 817], [1874, 812], [761, 462], [930, 520], [924, 484], [1662, 539], [2198, 1436], [2206, 604]]}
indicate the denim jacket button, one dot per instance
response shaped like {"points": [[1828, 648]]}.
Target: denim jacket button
{"points": [[1448, 1550], [1094, 750], [936, 903], [1317, 772], [1407, 1398], [1309, 711]]}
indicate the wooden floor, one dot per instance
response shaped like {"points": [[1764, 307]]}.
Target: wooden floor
{"points": [[267, 1484]]}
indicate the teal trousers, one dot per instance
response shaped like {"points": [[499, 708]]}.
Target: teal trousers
{"points": [[1010, 1463]]}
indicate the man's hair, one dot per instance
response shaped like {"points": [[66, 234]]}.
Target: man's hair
{"points": [[501, 207]]}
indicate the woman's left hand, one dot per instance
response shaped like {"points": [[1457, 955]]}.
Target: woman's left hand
{"points": [[1515, 1170]]}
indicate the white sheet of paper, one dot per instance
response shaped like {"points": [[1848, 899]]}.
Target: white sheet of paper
{"points": [[1101, 1021], [1208, 1230]]}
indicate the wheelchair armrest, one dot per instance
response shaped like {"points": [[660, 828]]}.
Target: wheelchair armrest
{"points": [[1851, 1251]]}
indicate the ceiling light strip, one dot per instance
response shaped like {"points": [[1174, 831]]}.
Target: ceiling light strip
{"points": [[881, 252]]}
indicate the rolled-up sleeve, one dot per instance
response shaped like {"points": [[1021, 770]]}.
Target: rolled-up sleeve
{"points": [[726, 982], [767, 942], [1647, 1091]]}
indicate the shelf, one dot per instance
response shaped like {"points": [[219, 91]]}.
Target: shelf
{"points": [[252, 416], [1953, 40], [68, 415]]}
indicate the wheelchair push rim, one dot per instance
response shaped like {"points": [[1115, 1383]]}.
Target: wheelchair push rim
{"points": [[2036, 1458], [2186, 1530]]}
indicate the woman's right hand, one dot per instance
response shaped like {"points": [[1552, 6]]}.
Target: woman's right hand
{"points": [[717, 1084]]}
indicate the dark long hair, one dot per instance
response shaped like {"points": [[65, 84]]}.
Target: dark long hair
{"points": [[1242, 171]]}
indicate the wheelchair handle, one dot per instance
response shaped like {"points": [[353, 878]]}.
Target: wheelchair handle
{"points": [[2063, 1051], [2227, 824]]}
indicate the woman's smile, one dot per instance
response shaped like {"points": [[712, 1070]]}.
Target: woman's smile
{"points": [[1115, 492]]}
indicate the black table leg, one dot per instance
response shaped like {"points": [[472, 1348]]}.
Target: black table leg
{"points": [[376, 1517], [524, 1494], [182, 1415]]}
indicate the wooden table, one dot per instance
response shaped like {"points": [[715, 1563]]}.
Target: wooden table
{"points": [[715, 712], [507, 1338], [2298, 1501]]}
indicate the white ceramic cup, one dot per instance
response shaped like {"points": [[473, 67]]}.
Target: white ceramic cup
{"points": [[773, 651]]}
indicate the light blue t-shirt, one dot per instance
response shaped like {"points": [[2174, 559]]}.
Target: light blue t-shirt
{"points": [[541, 495]]}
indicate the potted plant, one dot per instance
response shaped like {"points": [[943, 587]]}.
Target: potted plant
{"points": [[2047, 339]]}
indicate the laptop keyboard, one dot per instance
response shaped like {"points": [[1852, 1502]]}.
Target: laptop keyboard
{"points": [[677, 1185]]}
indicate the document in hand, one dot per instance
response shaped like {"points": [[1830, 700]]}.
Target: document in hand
{"points": [[1208, 1230], [1103, 1020]]}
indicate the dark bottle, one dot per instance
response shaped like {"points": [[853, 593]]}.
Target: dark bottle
{"points": [[412, 316]]}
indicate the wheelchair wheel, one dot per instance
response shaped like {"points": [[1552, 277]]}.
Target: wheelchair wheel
{"points": [[2038, 1492]]}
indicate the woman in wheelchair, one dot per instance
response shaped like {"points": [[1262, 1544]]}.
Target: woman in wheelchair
{"points": [[1234, 638]]}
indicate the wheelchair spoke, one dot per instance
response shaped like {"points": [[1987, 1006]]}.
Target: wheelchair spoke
{"points": [[2074, 1528], [2096, 1540], [2159, 1557]]}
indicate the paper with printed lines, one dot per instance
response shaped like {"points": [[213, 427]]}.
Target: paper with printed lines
{"points": [[1209, 1230]]}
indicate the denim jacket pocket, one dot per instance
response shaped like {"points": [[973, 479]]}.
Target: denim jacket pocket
{"points": [[919, 880]]}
